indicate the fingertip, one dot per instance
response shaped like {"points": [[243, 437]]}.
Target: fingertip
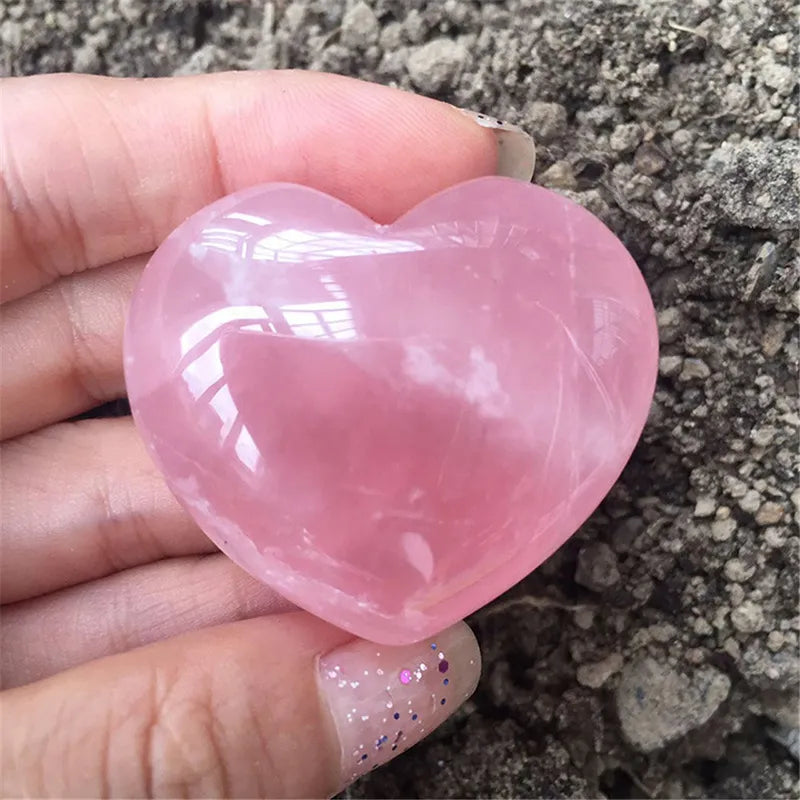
{"points": [[383, 700]]}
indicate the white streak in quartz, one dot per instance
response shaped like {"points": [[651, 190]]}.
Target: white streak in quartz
{"points": [[481, 387]]}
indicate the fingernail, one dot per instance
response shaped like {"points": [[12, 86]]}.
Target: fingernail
{"points": [[383, 700], [516, 151]]}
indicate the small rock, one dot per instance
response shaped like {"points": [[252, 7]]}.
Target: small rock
{"points": [[670, 365], [759, 275], [625, 138], [755, 183], [705, 506], [736, 570], [626, 533], [546, 121], [778, 77], [360, 27], [657, 704], [595, 675], [736, 97], [763, 437], [751, 501], [780, 43], [775, 641], [702, 627], [682, 141], [86, 59], [735, 594], [722, 529], [734, 487], [748, 617], [559, 176], [415, 26], [597, 567], [437, 65], [770, 513], [694, 369], [774, 337], [649, 160], [584, 618], [669, 324]]}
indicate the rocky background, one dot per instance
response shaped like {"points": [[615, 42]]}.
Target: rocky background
{"points": [[656, 654]]}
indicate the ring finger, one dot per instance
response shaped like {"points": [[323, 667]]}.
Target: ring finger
{"points": [[82, 500]]}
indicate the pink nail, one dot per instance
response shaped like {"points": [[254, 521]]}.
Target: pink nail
{"points": [[383, 699]]}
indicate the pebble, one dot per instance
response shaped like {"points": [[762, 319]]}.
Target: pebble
{"points": [[736, 570], [770, 513], [669, 324], [360, 27], [705, 506], [559, 176], [683, 141], [670, 365], [734, 487], [596, 674], [775, 537], [754, 184], [778, 77], [649, 160], [761, 272], [774, 337], [702, 627], [748, 617], [584, 618], [763, 437], [751, 501], [775, 641], [597, 567], [546, 121], [656, 704], [625, 138], [722, 529], [694, 369], [437, 65]]}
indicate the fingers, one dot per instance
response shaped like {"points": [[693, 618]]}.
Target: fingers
{"points": [[82, 500], [280, 706], [127, 610], [62, 347], [115, 164]]}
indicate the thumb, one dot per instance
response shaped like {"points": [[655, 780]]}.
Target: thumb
{"points": [[280, 706]]}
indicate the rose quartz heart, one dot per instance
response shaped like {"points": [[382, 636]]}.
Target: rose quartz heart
{"points": [[391, 425]]}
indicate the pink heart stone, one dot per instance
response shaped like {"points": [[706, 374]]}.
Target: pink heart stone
{"points": [[391, 425]]}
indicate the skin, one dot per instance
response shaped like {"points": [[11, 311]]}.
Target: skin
{"points": [[136, 660]]}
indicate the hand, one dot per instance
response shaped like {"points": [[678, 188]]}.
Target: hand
{"points": [[136, 659]]}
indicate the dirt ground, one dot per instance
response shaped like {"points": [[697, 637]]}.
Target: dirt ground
{"points": [[656, 654]]}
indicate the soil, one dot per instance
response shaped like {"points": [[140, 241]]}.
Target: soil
{"points": [[656, 654]]}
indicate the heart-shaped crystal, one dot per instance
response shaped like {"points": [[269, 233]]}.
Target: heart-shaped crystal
{"points": [[391, 425]]}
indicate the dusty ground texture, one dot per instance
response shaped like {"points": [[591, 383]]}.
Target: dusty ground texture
{"points": [[655, 655]]}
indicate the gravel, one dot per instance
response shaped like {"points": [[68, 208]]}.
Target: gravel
{"points": [[656, 653], [657, 705]]}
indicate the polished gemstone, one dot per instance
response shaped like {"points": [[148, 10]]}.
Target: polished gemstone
{"points": [[391, 424]]}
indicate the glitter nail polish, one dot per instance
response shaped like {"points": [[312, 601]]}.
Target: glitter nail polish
{"points": [[383, 699]]}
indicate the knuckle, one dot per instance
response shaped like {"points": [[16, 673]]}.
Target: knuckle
{"points": [[186, 750]]}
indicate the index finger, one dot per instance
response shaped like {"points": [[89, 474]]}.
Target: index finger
{"points": [[99, 169]]}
